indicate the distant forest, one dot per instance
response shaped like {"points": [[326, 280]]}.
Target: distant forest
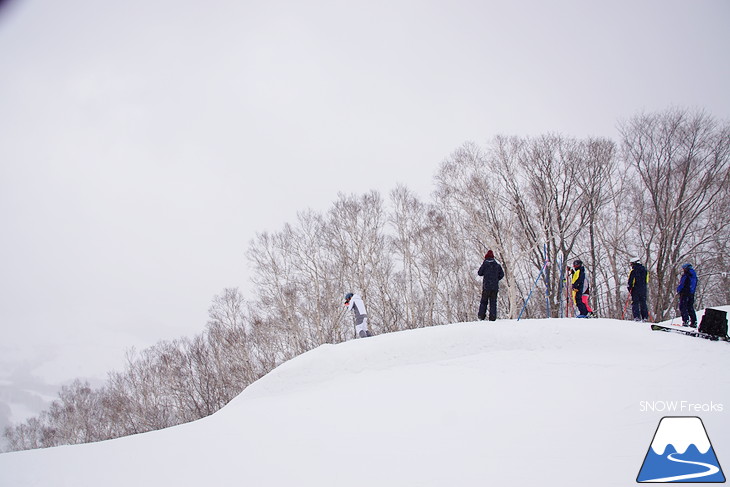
{"points": [[661, 193]]}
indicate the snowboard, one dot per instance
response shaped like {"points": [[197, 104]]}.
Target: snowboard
{"points": [[689, 332]]}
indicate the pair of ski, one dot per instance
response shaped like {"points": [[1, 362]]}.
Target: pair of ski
{"points": [[684, 330]]}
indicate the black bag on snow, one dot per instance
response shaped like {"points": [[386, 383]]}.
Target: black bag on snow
{"points": [[714, 322]]}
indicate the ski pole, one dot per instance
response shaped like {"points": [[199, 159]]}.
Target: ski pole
{"points": [[569, 298], [342, 315], [562, 273], [533, 288], [674, 312], [623, 313]]}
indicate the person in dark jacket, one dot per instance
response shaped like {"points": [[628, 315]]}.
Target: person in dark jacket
{"points": [[581, 289], [686, 291], [492, 273], [637, 286]]}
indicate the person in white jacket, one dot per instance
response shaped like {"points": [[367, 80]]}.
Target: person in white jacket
{"points": [[355, 303]]}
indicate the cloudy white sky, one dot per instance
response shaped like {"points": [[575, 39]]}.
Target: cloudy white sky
{"points": [[144, 143]]}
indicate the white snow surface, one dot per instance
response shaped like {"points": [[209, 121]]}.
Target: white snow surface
{"points": [[529, 403]]}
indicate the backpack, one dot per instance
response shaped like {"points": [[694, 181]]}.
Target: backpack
{"points": [[714, 323]]}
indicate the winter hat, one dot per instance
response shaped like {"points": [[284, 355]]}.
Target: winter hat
{"points": [[635, 260], [685, 266], [490, 255]]}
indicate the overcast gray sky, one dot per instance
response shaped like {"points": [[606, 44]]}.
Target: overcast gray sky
{"points": [[144, 143]]}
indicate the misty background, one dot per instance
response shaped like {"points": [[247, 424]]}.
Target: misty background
{"points": [[143, 144]]}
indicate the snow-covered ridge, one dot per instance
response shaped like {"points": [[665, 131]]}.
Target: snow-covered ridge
{"points": [[535, 402]]}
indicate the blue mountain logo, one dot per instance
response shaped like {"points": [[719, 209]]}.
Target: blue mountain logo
{"points": [[681, 452]]}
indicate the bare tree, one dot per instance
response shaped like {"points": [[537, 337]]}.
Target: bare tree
{"points": [[615, 233], [470, 191], [543, 192], [410, 302], [597, 169], [682, 160]]}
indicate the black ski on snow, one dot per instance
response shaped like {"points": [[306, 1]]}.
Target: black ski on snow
{"points": [[689, 332]]}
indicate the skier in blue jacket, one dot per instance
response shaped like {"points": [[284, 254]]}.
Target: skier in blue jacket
{"points": [[686, 291]]}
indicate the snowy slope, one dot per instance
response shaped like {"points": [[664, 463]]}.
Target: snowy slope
{"points": [[539, 402]]}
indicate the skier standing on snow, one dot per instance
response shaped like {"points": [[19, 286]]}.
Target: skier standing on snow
{"points": [[581, 289], [637, 286], [492, 273], [686, 291], [355, 303]]}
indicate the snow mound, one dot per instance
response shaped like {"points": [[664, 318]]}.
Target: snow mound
{"points": [[535, 402]]}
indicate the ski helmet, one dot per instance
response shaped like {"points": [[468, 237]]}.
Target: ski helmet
{"points": [[635, 260], [577, 263], [348, 297], [687, 265]]}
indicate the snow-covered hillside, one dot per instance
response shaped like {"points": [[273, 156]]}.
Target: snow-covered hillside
{"points": [[537, 402]]}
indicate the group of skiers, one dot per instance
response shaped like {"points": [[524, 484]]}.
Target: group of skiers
{"points": [[638, 284], [491, 272]]}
